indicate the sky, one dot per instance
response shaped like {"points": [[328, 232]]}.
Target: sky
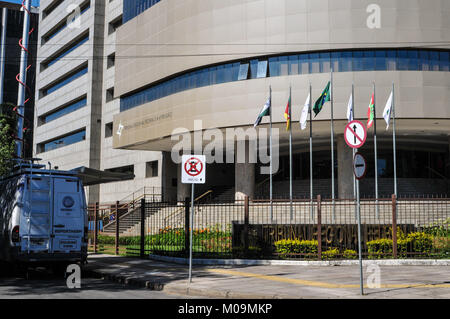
{"points": [[34, 3]]}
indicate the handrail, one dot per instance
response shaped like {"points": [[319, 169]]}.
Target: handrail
{"points": [[127, 206], [268, 178], [436, 172], [195, 200]]}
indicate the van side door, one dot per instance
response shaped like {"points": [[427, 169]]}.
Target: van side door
{"points": [[68, 219]]}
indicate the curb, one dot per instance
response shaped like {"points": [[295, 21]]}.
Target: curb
{"points": [[124, 280], [324, 263], [178, 288]]}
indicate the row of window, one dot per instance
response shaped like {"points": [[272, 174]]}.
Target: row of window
{"points": [[133, 8], [51, 7], [151, 169], [62, 141], [64, 23], [305, 63], [64, 80], [69, 48], [64, 110]]}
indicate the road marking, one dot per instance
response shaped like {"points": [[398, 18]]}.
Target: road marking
{"points": [[318, 283]]}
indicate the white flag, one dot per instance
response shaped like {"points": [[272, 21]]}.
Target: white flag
{"points": [[387, 111], [350, 109], [305, 112]]}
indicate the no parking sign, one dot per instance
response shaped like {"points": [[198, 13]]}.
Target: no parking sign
{"points": [[193, 169]]}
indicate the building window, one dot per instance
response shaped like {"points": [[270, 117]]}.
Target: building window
{"points": [[108, 129], [63, 23], [63, 110], [133, 8], [151, 169], [65, 51], [293, 64], [111, 60], [109, 94], [62, 141], [64, 80], [113, 25], [49, 9]]}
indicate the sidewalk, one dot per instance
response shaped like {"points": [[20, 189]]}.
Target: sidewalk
{"points": [[416, 280]]}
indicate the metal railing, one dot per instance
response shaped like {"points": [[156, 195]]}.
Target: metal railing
{"points": [[403, 228]]}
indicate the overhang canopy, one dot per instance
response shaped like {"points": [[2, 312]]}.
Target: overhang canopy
{"points": [[90, 176]]}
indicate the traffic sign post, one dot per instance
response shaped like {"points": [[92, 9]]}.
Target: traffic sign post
{"points": [[355, 135], [193, 169], [359, 169]]}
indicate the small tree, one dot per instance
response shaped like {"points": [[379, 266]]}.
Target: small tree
{"points": [[8, 119]]}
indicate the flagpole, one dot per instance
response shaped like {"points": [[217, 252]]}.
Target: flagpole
{"points": [[271, 189], [375, 150], [310, 153], [394, 141], [332, 146], [290, 151]]}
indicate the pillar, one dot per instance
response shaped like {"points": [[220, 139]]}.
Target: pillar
{"points": [[183, 190], [345, 168], [244, 174], [169, 176]]}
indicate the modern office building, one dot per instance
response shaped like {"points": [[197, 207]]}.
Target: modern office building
{"points": [[75, 96], [215, 60], [10, 86]]}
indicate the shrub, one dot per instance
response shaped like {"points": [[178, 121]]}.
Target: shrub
{"points": [[417, 242], [379, 248], [331, 253], [438, 229], [421, 242], [288, 247], [350, 254]]}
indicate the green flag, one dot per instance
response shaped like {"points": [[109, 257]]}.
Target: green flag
{"points": [[324, 97]]}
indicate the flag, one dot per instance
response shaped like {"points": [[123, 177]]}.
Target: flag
{"points": [[387, 111], [264, 112], [350, 109], [305, 111], [324, 97], [287, 114], [370, 115]]}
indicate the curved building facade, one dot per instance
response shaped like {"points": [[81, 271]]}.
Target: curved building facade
{"points": [[213, 61]]}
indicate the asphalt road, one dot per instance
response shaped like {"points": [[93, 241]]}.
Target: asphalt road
{"points": [[43, 284]]}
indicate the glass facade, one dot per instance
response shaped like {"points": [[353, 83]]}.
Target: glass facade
{"points": [[294, 64], [63, 24], [64, 81], [62, 141], [65, 52], [133, 8], [73, 106]]}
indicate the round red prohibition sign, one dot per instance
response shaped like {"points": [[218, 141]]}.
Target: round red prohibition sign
{"points": [[193, 166], [355, 134]]}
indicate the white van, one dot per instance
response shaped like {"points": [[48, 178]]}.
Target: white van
{"points": [[43, 217]]}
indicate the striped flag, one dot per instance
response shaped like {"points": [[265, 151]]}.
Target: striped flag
{"points": [[265, 111], [287, 114], [370, 113]]}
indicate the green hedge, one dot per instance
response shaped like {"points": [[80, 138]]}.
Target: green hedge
{"points": [[331, 253], [286, 247], [418, 242]]}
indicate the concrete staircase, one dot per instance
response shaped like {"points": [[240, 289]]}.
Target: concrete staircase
{"points": [[128, 221]]}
